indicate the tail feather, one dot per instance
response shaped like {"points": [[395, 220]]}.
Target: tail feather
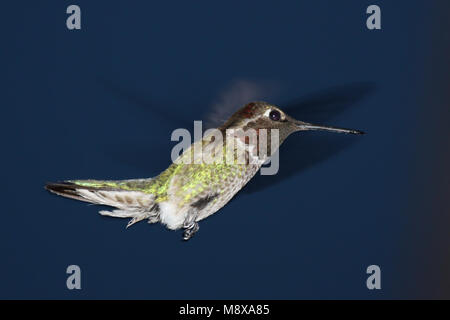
{"points": [[131, 203], [65, 189]]}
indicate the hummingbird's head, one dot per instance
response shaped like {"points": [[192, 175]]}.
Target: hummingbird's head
{"points": [[262, 115]]}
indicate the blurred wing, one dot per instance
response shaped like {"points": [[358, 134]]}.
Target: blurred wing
{"points": [[235, 96]]}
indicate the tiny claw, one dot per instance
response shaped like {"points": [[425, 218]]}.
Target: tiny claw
{"points": [[133, 221], [190, 231]]}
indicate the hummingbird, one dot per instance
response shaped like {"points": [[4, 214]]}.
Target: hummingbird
{"points": [[188, 192]]}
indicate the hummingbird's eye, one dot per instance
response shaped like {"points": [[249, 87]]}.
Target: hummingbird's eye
{"points": [[275, 115]]}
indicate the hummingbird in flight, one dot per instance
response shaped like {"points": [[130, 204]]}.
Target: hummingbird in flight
{"points": [[188, 192]]}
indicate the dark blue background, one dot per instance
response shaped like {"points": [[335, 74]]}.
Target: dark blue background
{"points": [[101, 103]]}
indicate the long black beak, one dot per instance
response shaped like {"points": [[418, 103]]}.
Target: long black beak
{"points": [[308, 126]]}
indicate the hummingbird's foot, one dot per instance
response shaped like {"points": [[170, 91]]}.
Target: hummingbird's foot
{"points": [[190, 230]]}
